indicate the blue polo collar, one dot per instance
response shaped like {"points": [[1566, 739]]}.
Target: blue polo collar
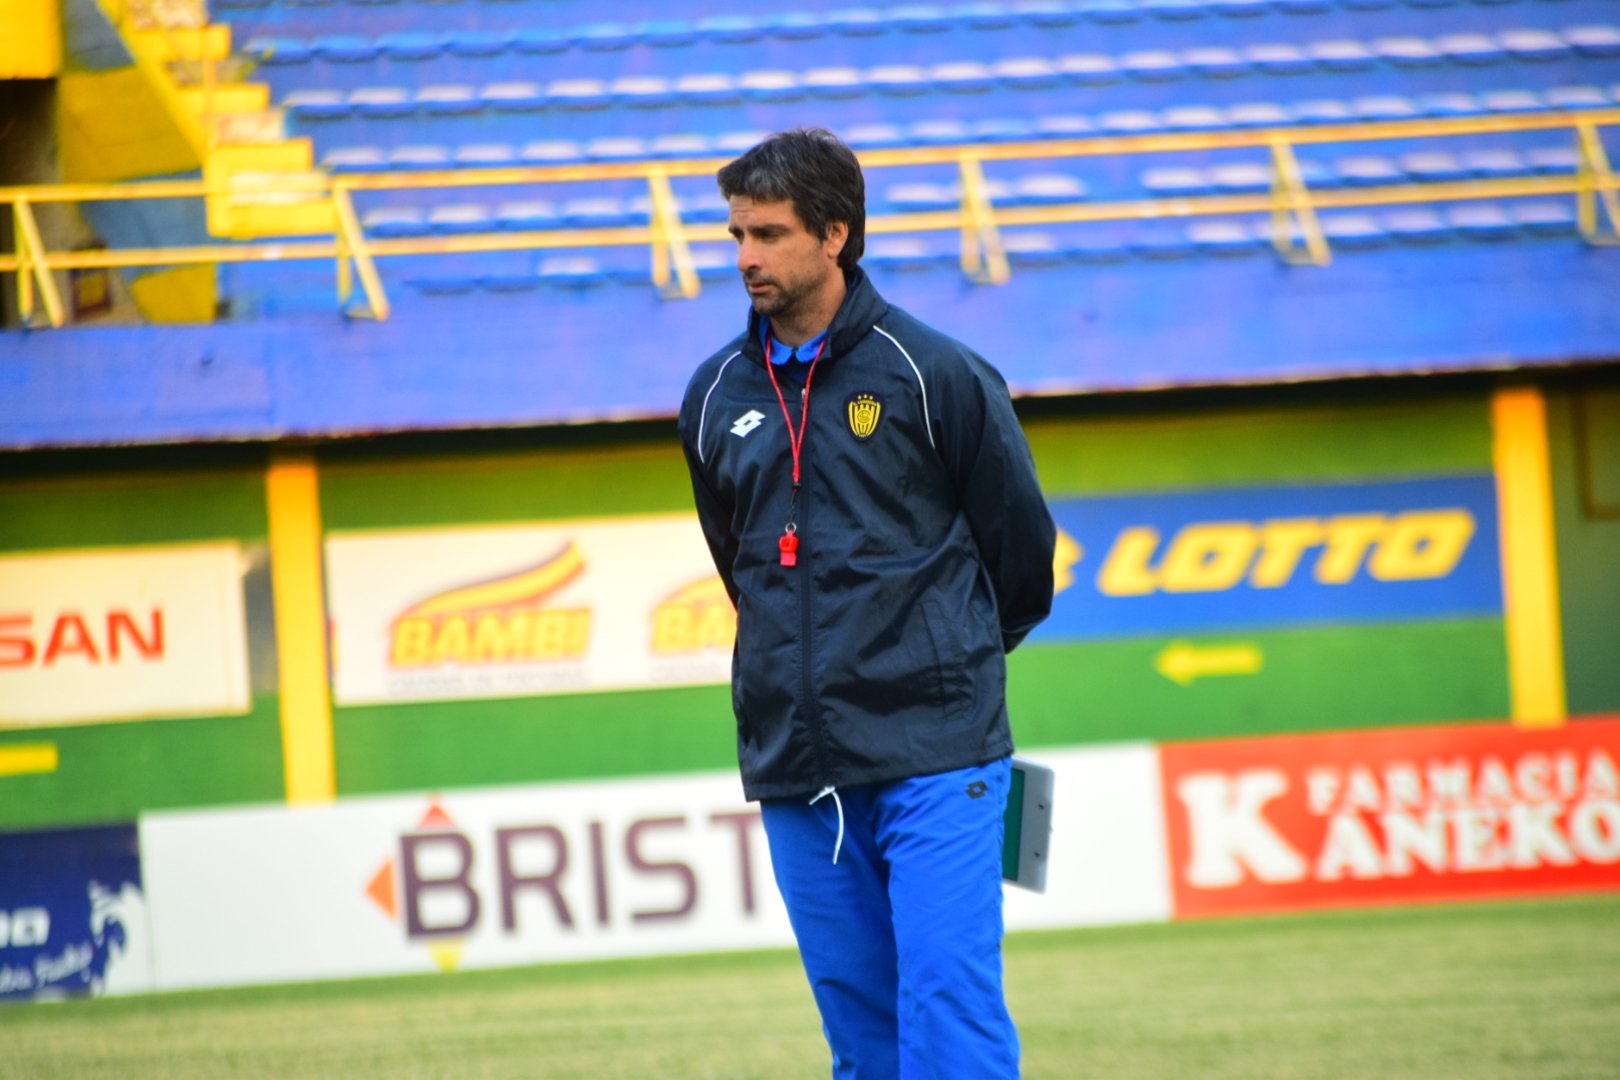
{"points": [[782, 354]]}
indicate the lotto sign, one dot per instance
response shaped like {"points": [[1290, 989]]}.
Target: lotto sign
{"points": [[115, 635], [1244, 558], [1274, 824], [512, 610]]}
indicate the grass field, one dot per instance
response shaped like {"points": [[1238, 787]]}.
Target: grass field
{"points": [[1525, 990]]}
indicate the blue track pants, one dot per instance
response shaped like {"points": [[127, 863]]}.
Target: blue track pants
{"points": [[901, 939]]}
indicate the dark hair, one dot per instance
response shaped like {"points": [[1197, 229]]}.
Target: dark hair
{"points": [[816, 173]]}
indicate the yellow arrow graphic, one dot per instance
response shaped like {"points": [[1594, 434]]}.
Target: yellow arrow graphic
{"points": [[20, 759], [1182, 661]]}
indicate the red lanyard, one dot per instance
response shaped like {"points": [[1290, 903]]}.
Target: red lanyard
{"points": [[788, 544]]}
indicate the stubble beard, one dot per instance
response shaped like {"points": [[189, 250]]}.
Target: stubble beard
{"points": [[784, 301]]}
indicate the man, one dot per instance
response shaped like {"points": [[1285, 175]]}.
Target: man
{"points": [[872, 508]]}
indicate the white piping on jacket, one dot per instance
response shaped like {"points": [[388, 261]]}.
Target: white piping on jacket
{"points": [[928, 424], [838, 845], [703, 415]]}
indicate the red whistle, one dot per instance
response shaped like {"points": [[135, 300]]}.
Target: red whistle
{"points": [[789, 543]]}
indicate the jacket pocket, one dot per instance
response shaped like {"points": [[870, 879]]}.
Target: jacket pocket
{"points": [[953, 687]]}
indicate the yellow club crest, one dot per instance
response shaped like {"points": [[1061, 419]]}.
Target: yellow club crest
{"points": [[865, 410]]}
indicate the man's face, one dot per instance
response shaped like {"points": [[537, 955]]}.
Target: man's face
{"points": [[781, 261]]}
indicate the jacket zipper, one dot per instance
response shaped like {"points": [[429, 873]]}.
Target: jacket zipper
{"points": [[812, 704]]}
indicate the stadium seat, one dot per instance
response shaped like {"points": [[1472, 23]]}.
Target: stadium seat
{"points": [[381, 102], [1255, 114], [1481, 221], [1026, 73], [484, 155], [1063, 126], [1046, 14], [1001, 129], [1240, 9], [1367, 170], [595, 212], [572, 272], [984, 16], [457, 218], [278, 50], [1113, 12], [901, 253], [526, 215], [1215, 62], [452, 99], [920, 197], [1161, 241], [729, 29], [617, 148], [1533, 44], [856, 22], [1552, 159], [938, 131], [1088, 69], [1385, 107], [1449, 104], [1223, 237], [707, 88], [686, 145], [898, 80], [578, 94], [770, 86], [1354, 231], [410, 45], [834, 82], [1193, 118], [962, 77], [667, 33], [1175, 181], [1027, 248], [793, 26], [732, 143], [1278, 59], [316, 104], [882, 136], [1473, 49], [475, 43], [919, 18], [394, 222], [1342, 55], [1129, 122], [1047, 189], [417, 157], [1152, 65], [1175, 10], [642, 91], [345, 48], [1599, 41], [1512, 101], [1416, 225], [1408, 52], [704, 207], [606, 36], [513, 96], [1495, 164], [1241, 178], [353, 159], [539, 41], [551, 152], [1575, 97], [1434, 167], [1542, 218], [1321, 111]]}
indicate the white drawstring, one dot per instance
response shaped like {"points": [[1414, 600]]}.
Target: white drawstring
{"points": [[839, 803]]}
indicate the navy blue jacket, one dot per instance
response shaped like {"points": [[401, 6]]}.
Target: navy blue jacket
{"points": [[925, 550]]}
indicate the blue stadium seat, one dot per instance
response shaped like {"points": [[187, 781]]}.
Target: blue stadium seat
{"points": [[1416, 225], [1495, 164], [572, 272], [1256, 114], [918, 197], [517, 95], [1302, 7], [730, 29], [459, 218], [1027, 248], [714, 262], [595, 212], [905, 254], [642, 91], [856, 22], [1218, 62], [937, 131], [1129, 122], [1279, 59], [1449, 104], [1534, 44], [984, 16], [1434, 167], [278, 50], [1088, 69], [410, 45], [1482, 221], [1223, 237], [962, 77], [1543, 218], [485, 155], [617, 148], [1385, 107], [316, 104], [1175, 10], [920, 18], [605, 36], [1576, 97], [1026, 73], [526, 215], [898, 80], [539, 41], [354, 159], [1321, 111], [1172, 181], [417, 157], [381, 102], [1161, 242], [667, 33], [1001, 129], [1064, 126], [1046, 14], [552, 152], [1408, 52], [1512, 101], [793, 25], [704, 207], [1342, 55], [475, 43], [770, 86], [834, 82], [1241, 178], [1474, 49], [1598, 40], [1047, 189], [345, 48], [1367, 170], [1116, 12], [1193, 118], [1152, 65], [732, 143], [707, 88], [394, 222], [448, 99], [578, 94], [1354, 231], [681, 145], [1548, 160]]}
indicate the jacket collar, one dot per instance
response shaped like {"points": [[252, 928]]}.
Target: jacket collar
{"points": [[862, 309]]}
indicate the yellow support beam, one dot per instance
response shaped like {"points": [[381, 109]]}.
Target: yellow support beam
{"points": [[984, 258], [292, 490], [1291, 204], [1535, 640]]}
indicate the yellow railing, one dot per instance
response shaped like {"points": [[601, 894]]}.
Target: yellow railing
{"points": [[1292, 202]]}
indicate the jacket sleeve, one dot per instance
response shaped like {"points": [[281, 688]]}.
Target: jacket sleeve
{"points": [[988, 456], [714, 515]]}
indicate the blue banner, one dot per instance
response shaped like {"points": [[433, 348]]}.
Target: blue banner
{"points": [[72, 915], [1260, 558]]}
